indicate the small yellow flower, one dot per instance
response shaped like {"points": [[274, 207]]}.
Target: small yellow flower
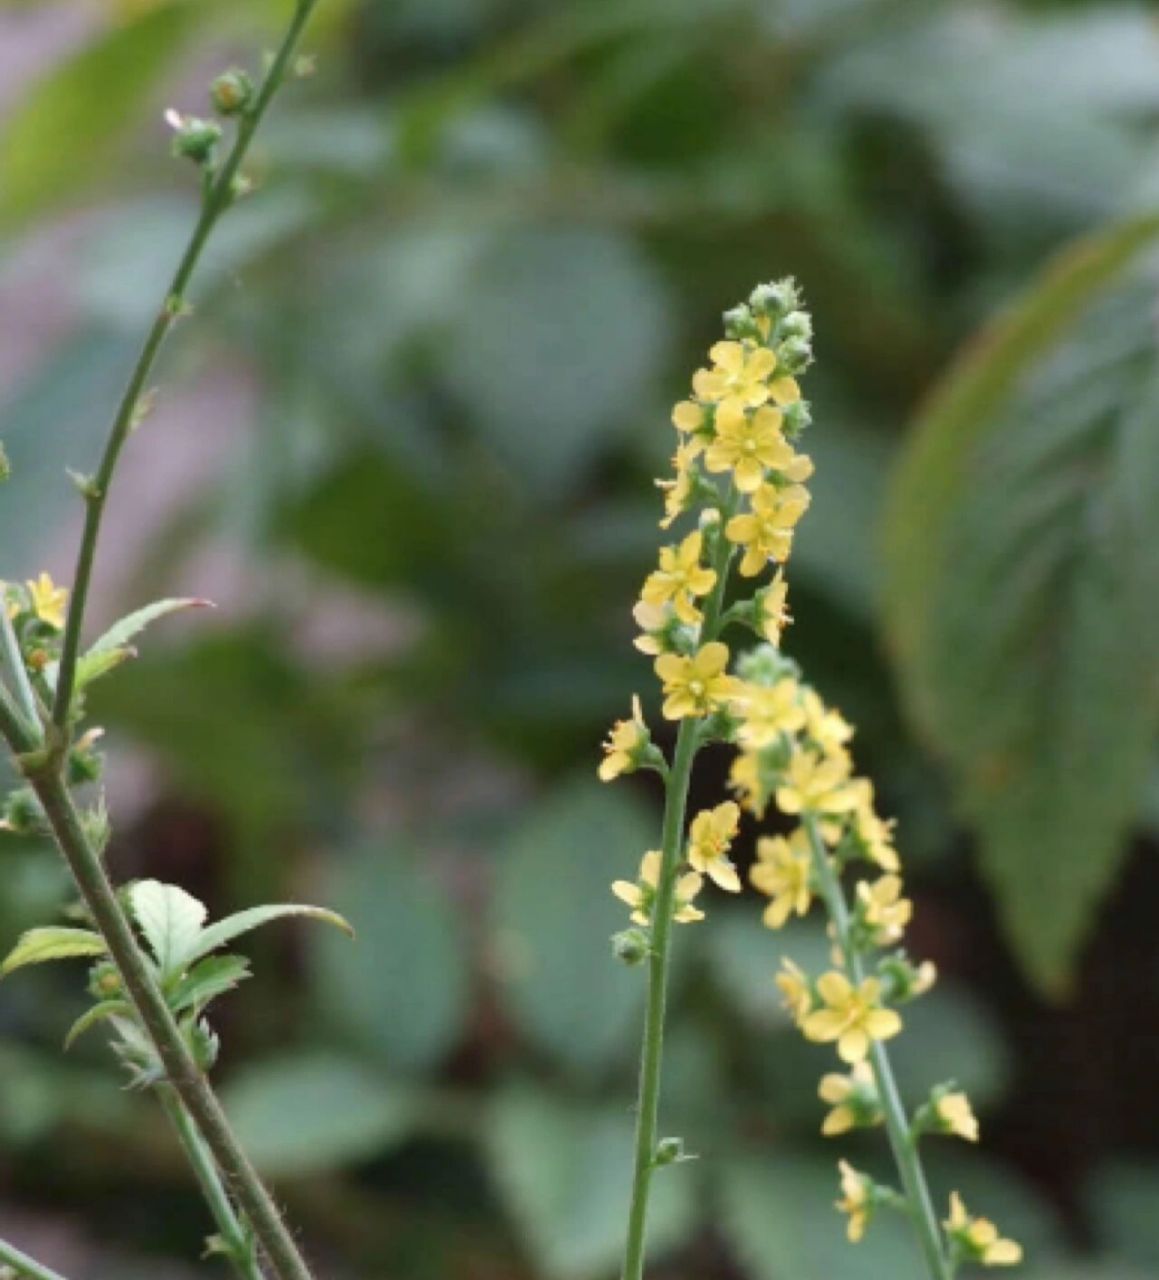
{"points": [[817, 784], [625, 742], [641, 896], [748, 445], [782, 872], [956, 1116], [927, 975], [49, 602], [678, 491], [652, 619], [679, 578], [709, 840], [766, 532], [795, 990], [852, 1016], [875, 834], [767, 711], [827, 727], [978, 1238], [738, 378], [842, 1094], [691, 420], [698, 685], [855, 1200], [746, 780], [773, 609], [883, 908], [784, 391]]}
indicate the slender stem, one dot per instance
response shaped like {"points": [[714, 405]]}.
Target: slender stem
{"points": [[905, 1152], [13, 726], [217, 198], [652, 1052], [14, 666], [186, 1078], [238, 1247], [26, 1268]]}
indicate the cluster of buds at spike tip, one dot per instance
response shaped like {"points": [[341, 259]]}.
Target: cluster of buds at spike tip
{"points": [[740, 483]]}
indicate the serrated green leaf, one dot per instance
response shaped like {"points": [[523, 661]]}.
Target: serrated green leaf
{"points": [[340, 1112], [554, 915], [223, 931], [38, 946], [402, 990], [565, 1171], [88, 103], [113, 648], [90, 1018], [1022, 581], [171, 921], [207, 980]]}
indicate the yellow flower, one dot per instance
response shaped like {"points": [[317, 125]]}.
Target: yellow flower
{"points": [[978, 1239], [956, 1116], [625, 742], [678, 491], [746, 779], [766, 712], [817, 784], [738, 377], [748, 445], [852, 1016], [691, 419], [773, 609], [883, 907], [782, 872], [852, 1097], [698, 685], [641, 896], [766, 532], [927, 975], [652, 619], [680, 577], [795, 990], [827, 727], [855, 1200], [875, 834], [49, 602], [709, 839], [784, 391]]}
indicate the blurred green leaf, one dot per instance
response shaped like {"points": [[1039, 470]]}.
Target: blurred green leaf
{"points": [[778, 1216], [557, 342], [38, 946], [555, 914], [401, 988], [1022, 589], [223, 931], [311, 1111], [70, 126], [565, 1171], [1123, 1198]]}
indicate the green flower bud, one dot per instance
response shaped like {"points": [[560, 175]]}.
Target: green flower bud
{"points": [[795, 418], [766, 665], [104, 981], [203, 1044], [669, 1151], [795, 355], [739, 323], [193, 139], [797, 324], [631, 946], [232, 92], [23, 815], [775, 300]]}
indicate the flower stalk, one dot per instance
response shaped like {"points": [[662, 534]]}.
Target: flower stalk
{"points": [[24, 1267]]}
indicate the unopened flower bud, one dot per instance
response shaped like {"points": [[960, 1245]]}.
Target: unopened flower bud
{"points": [[774, 300], [232, 92], [669, 1151], [193, 139], [795, 355], [739, 323], [797, 324], [631, 946]]}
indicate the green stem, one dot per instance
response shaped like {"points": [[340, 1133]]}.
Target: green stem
{"points": [[217, 198], [25, 1267], [186, 1078], [238, 1247], [905, 1151], [15, 670], [652, 1052]]}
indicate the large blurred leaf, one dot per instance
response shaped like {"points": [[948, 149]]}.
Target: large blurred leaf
{"points": [[70, 126], [556, 342], [1023, 583], [1124, 1198], [401, 987], [307, 1112], [554, 915], [566, 1170]]}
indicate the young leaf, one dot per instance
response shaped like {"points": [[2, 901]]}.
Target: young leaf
{"points": [[217, 935], [53, 943], [121, 633], [171, 921], [98, 1013], [207, 980]]}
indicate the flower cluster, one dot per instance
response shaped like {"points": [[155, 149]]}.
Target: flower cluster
{"points": [[737, 469]]}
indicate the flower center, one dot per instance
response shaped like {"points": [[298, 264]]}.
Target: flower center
{"points": [[696, 688]]}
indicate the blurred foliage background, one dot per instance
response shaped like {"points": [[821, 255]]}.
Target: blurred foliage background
{"points": [[407, 444]]}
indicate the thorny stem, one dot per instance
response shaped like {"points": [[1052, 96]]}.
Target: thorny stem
{"points": [[652, 1052], [236, 1244], [905, 1152], [26, 1268], [217, 198]]}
